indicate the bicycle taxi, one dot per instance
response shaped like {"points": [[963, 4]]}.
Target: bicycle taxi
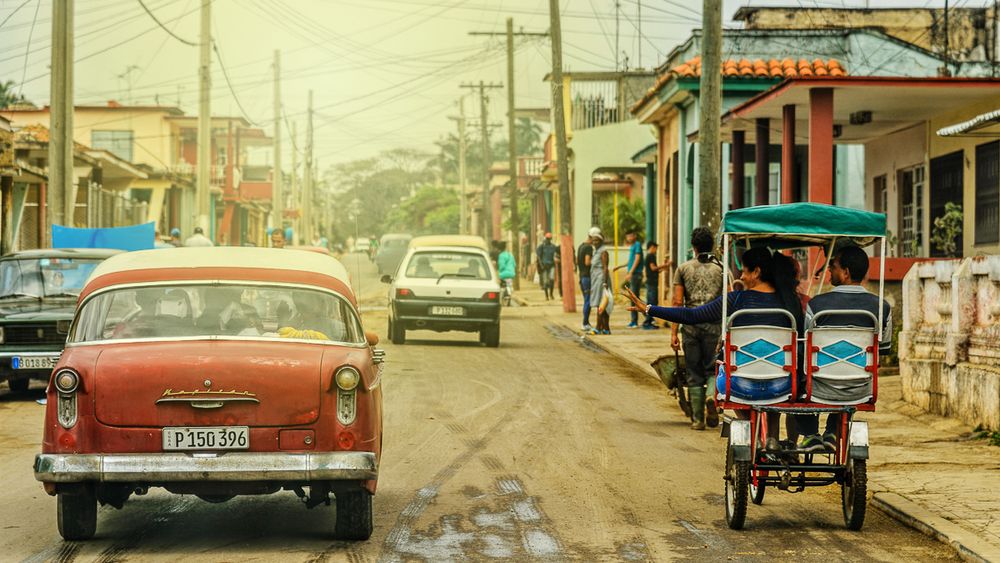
{"points": [[823, 357]]}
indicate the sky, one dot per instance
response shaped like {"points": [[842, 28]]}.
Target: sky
{"points": [[384, 73]]}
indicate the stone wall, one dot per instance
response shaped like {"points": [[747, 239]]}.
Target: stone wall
{"points": [[950, 343]]}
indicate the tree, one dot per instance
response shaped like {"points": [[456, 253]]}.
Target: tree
{"points": [[431, 210], [947, 230], [9, 95], [631, 217]]}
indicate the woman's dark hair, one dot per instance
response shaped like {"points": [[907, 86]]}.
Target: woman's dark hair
{"points": [[779, 271], [501, 245]]}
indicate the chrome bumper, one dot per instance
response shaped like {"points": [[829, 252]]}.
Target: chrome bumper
{"points": [[233, 466]]}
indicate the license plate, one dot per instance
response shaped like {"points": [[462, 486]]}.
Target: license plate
{"points": [[450, 311], [34, 362], [206, 438]]}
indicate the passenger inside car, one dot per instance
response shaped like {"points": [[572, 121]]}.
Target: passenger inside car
{"points": [[424, 269]]}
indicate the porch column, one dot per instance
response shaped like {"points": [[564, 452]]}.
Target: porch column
{"points": [[763, 142], [739, 169], [650, 201], [788, 194], [821, 145]]}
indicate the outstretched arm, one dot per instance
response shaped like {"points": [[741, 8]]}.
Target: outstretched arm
{"points": [[707, 313]]}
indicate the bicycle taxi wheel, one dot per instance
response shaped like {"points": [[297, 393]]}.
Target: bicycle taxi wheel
{"points": [[737, 490], [854, 493]]}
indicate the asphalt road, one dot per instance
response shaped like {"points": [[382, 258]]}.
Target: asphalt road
{"points": [[540, 449]]}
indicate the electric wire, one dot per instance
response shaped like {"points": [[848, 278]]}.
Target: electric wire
{"points": [[164, 28]]}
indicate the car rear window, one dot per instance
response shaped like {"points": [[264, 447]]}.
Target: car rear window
{"points": [[217, 310], [443, 264]]}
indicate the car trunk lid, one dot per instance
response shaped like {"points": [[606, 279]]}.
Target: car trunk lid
{"points": [[206, 383]]}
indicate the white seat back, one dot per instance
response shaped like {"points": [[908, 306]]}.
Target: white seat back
{"points": [[842, 360], [760, 352]]}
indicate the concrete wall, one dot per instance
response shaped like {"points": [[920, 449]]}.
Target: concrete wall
{"points": [[608, 146], [949, 351]]}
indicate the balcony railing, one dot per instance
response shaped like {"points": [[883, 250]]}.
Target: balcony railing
{"points": [[217, 175]]}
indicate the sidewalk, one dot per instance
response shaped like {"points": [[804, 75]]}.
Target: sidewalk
{"points": [[927, 471]]}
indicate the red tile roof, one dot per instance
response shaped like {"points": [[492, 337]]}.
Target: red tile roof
{"points": [[745, 68]]}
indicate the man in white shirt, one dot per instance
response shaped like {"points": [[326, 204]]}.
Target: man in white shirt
{"points": [[198, 239]]}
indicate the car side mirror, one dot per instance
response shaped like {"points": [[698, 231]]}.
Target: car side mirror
{"points": [[371, 338], [386, 278]]}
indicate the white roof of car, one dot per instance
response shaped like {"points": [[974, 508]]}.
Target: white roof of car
{"points": [[224, 257]]}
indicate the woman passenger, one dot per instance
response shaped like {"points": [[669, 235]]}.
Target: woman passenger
{"points": [[769, 282]]}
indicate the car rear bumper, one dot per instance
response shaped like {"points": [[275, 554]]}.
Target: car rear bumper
{"points": [[232, 466], [418, 311]]}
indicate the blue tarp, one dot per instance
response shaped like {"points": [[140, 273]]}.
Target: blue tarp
{"points": [[135, 237]]}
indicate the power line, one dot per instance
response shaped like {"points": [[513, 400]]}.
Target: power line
{"points": [[24, 69], [164, 28], [222, 65], [10, 15]]}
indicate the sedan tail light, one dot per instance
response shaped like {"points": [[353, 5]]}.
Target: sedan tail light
{"points": [[402, 292], [491, 296], [67, 383]]}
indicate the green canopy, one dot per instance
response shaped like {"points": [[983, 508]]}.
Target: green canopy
{"points": [[797, 224]]}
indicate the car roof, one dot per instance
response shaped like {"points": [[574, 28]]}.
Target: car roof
{"points": [[309, 248], [224, 257], [61, 253], [449, 240]]}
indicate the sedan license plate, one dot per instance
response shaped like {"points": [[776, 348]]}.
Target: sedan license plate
{"points": [[448, 311], [206, 438], [33, 362]]}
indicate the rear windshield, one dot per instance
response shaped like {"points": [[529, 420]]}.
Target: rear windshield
{"points": [[45, 277], [217, 310], [448, 264]]}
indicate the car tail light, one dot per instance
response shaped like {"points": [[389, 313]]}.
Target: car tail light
{"points": [[491, 296], [346, 379], [66, 382], [403, 292]]}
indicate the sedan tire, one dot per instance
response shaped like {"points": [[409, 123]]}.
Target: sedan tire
{"points": [[397, 333], [19, 385], [354, 515], [490, 336], [77, 515]]}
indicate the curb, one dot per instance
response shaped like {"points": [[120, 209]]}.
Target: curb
{"points": [[966, 544]]}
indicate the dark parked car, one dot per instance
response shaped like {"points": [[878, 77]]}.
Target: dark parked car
{"points": [[391, 250], [38, 293]]}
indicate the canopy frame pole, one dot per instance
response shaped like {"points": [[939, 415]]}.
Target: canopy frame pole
{"points": [[725, 292], [881, 289]]}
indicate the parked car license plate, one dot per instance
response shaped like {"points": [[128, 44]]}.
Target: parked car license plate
{"points": [[34, 362], [206, 438], [450, 311]]}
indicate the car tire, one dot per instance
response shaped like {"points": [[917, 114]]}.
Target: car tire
{"points": [[19, 385], [397, 333], [354, 515], [77, 515], [490, 336]]}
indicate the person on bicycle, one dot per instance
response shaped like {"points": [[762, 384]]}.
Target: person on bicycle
{"points": [[506, 267], [848, 269], [770, 283]]}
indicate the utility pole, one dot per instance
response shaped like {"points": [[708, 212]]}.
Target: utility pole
{"points": [[462, 210], [487, 156], [307, 189], [638, 17], [559, 117], [710, 102], [61, 196], [296, 205], [277, 191], [618, 49], [205, 117], [512, 155]]}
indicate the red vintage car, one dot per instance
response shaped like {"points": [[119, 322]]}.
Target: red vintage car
{"points": [[215, 372]]}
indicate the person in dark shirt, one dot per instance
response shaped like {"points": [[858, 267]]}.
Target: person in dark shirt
{"points": [[584, 255], [652, 270], [848, 269]]}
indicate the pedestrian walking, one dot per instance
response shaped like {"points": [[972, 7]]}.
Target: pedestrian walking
{"points": [[633, 271], [697, 282], [584, 255], [600, 280], [652, 273], [546, 253], [277, 238], [198, 238], [175, 237]]}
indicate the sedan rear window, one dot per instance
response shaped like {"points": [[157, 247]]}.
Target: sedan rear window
{"points": [[448, 264], [217, 310]]}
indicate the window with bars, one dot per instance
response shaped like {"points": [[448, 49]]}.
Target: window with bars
{"points": [[911, 211], [987, 207]]}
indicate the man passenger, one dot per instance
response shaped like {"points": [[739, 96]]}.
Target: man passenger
{"points": [[848, 269]]}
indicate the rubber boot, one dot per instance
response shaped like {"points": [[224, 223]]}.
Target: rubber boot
{"points": [[697, 397], [711, 414], [682, 400]]}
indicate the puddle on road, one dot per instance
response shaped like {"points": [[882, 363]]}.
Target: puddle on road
{"points": [[562, 333]]}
